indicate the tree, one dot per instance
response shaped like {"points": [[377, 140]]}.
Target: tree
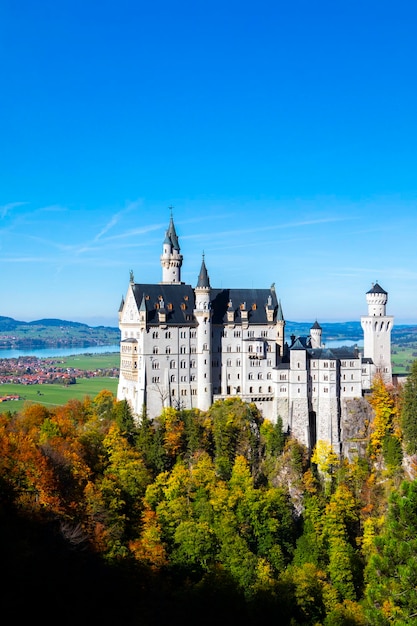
{"points": [[391, 573], [383, 427], [409, 411]]}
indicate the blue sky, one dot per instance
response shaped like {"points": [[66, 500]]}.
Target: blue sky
{"points": [[284, 135]]}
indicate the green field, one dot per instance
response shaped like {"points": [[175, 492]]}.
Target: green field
{"points": [[91, 362], [54, 395]]}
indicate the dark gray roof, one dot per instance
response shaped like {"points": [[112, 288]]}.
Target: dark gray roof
{"points": [[171, 235], [376, 289], [254, 300], [177, 301], [203, 279], [316, 325], [344, 352]]}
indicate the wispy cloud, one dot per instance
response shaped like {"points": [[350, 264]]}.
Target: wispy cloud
{"points": [[7, 208]]}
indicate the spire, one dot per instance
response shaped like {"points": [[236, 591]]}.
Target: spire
{"points": [[203, 279], [171, 235], [280, 315]]}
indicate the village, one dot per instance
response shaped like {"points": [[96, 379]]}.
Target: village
{"points": [[30, 370]]}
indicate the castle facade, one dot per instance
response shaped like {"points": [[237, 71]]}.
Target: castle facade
{"points": [[187, 347]]}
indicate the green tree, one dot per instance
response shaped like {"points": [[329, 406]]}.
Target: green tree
{"points": [[391, 573], [409, 411]]}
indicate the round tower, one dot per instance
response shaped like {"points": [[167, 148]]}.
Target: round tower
{"points": [[315, 335], [377, 328], [202, 313]]}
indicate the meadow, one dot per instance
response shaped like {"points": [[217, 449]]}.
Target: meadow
{"points": [[57, 394]]}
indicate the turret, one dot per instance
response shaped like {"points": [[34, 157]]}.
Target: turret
{"points": [[202, 314], [315, 335], [377, 328], [280, 323], [171, 259]]}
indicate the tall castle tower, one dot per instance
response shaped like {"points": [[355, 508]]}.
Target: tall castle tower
{"points": [[377, 328], [202, 313]]}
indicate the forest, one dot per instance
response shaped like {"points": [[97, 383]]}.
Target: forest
{"points": [[200, 517]]}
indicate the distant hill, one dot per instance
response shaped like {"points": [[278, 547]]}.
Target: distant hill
{"points": [[53, 332], [47, 333]]}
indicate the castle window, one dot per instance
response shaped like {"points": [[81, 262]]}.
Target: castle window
{"points": [[251, 333], [325, 377], [260, 376], [172, 379], [192, 377], [254, 306], [260, 389], [237, 362], [183, 392], [172, 365], [155, 365], [183, 379], [283, 389], [155, 350], [155, 379], [237, 389], [325, 364], [172, 392], [183, 365], [192, 364], [170, 306], [250, 376], [168, 335], [193, 392], [167, 350], [269, 389], [283, 377], [250, 389], [298, 378], [229, 348], [183, 306], [298, 365], [182, 350], [229, 363], [185, 297], [352, 364], [205, 347], [343, 363], [326, 390], [193, 334], [269, 376], [238, 376], [264, 333], [237, 333], [193, 350], [237, 348], [250, 348]]}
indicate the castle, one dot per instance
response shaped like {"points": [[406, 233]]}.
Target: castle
{"points": [[187, 347]]}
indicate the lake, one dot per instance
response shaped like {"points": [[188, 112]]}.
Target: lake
{"points": [[48, 353]]}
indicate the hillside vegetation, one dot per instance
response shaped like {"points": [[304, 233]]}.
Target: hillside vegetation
{"points": [[205, 517], [48, 333]]}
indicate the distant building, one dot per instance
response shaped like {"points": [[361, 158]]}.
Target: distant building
{"points": [[187, 347]]}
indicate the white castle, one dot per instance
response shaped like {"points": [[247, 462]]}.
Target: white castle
{"points": [[187, 347]]}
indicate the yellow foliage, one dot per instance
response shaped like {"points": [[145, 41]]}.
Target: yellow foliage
{"points": [[324, 457]]}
